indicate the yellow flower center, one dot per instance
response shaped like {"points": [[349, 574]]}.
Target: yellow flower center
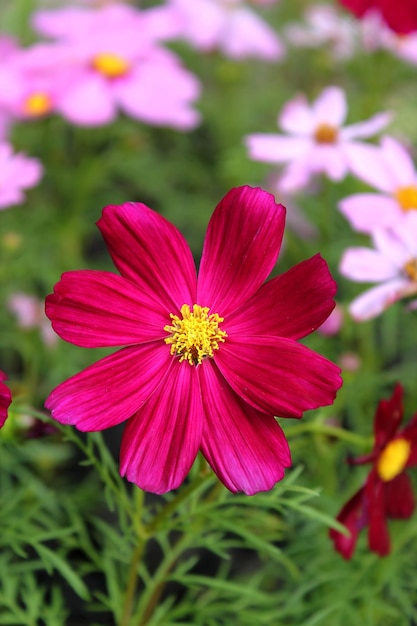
{"points": [[196, 335], [407, 197], [325, 133], [410, 269], [110, 65], [393, 459], [37, 104]]}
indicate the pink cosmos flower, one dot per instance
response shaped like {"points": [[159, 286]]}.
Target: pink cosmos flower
{"points": [[317, 141], [229, 26], [17, 172], [117, 62], [324, 25], [209, 360], [5, 398], [387, 492], [392, 264], [391, 171]]}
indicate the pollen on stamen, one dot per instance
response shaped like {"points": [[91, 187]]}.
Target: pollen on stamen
{"points": [[393, 459], [196, 336], [111, 65], [407, 197], [37, 104], [325, 133]]}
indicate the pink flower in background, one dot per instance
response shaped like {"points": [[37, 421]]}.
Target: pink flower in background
{"points": [[229, 26], [388, 491], [209, 360], [5, 398], [17, 172], [392, 264], [317, 142], [30, 313], [391, 171], [117, 62], [333, 324], [324, 25], [376, 35]]}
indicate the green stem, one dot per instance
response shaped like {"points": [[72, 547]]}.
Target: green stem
{"points": [[330, 431], [132, 582]]}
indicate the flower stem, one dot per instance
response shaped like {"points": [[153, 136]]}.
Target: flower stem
{"points": [[330, 431]]}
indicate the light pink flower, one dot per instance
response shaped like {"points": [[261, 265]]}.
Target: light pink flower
{"points": [[229, 26], [324, 25], [117, 62], [30, 313], [317, 142], [208, 361], [392, 264], [17, 172], [391, 171], [5, 398]]}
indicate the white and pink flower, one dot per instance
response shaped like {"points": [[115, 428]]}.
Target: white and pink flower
{"points": [[17, 172], [317, 141], [392, 263]]}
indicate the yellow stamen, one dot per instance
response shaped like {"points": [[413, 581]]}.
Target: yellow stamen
{"points": [[37, 104], [325, 133], [196, 335], [111, 65], [410, 269], [393, 459], [407, 197]]}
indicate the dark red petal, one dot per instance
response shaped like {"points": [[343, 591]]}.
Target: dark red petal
{"points": [[278, 376], [241, 247], [96, 309], [151, 252], [409, 432], [291, 305], [378, 537], [161, 441], [399, 497], [353, 516], [5, 398], [247, 450], [388, 416], [111, 390]]}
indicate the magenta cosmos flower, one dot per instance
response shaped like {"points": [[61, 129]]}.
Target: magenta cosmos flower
{"points": [[5, 398], [387, 492], [317, 140], [209, 360]]}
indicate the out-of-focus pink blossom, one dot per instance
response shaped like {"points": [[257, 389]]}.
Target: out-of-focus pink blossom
{"points": [[317, 142], [229, 26], [17, 172], [390, 169], [324, 25], [30, 313], [333, 324], [117, 63], [8, 46], [392, 264]]}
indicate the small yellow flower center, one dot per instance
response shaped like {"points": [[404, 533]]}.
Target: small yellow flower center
{"points": [[37, 104], [407, 197], [410, 268], [196, 335], [393, 459], [325, 133], [111, 65]]}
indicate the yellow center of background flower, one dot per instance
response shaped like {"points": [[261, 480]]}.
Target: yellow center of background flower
{"points": [[325, 133], [410, 269], [196, 335], [37, 104], [393, 459], [110, 65], [407, 197]]}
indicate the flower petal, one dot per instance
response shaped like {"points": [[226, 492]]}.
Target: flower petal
{"points": [[241, 247], [353, 517], [369, 127], [110, 391], [278, 376], [378, 537], [291, 305], [373, 301], [296, 117], [87, 101], [330, 107], [367, 211], [151, 252], [247, 450], [399, 497], [96, 309], [366, 265], [388, 417], [273, 148], [5, 398], [161, 441]]}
